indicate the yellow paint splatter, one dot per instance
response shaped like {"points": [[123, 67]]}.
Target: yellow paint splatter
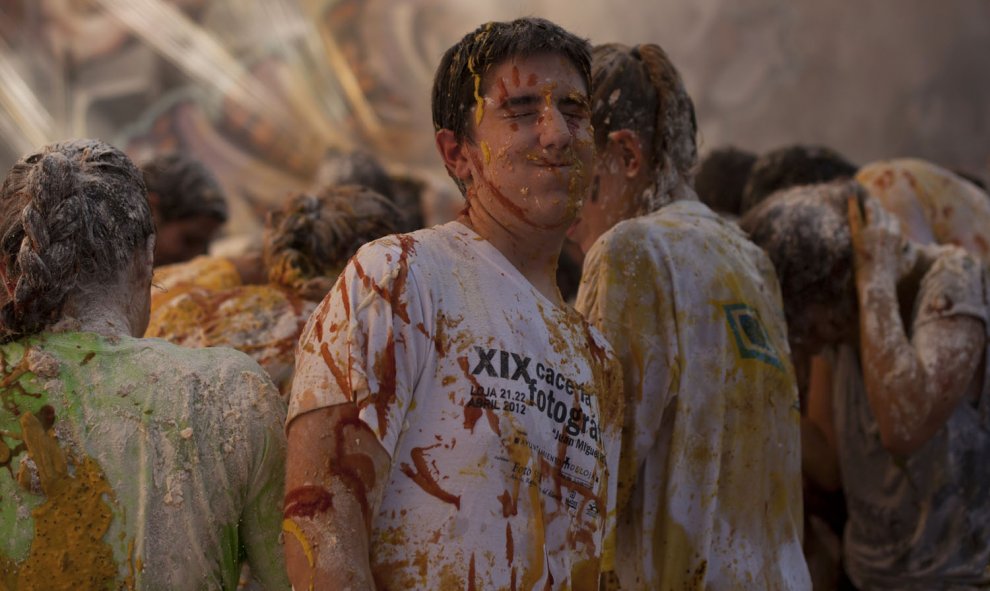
{"points": [[487, 152], [479, 111], [68, 551], [291, 527]]}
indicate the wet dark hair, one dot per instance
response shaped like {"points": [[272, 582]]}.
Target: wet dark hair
{"points": [[791, 166], [71, 216], [354, 168], [463, 67], [805, 231], [314, 234], [638, 88], [185, 188], [721, 178]]}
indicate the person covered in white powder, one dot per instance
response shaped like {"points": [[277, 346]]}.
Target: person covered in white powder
{"points": [[452, 423], [903, 396], [126, 462], [709, 482]]}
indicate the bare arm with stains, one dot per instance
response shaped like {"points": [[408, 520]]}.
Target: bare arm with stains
{"points": [[336, 472], [913, 385]]}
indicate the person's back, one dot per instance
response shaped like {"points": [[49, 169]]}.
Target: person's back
{"points": [[139, 462], [709, 482], [718, 479], [307, 242], [129, 462]]}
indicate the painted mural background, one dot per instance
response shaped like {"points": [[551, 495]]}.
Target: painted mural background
{"points": [[259, 89]]}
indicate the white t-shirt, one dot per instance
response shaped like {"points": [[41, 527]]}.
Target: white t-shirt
{"points": [[922, 521], [709, 480], [497, 408]]}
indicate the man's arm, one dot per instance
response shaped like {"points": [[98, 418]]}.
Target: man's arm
{"points": [[913, 385], [819, 452], [336, 472]]}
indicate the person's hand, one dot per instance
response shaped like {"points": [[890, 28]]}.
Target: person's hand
{"points": [[877, 240]]}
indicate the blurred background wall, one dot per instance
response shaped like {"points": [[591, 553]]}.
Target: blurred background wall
{"points": [[259, 89]]}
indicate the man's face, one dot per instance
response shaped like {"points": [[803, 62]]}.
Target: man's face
{"points": [[183, 239], [531, 151]]}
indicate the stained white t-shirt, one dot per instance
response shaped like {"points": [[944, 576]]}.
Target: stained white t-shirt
{"points": [[709, 482], [498, 409]]}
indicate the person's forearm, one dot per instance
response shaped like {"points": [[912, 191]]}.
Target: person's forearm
{"points": [[326, 539], [892, 373], [335, 476]]}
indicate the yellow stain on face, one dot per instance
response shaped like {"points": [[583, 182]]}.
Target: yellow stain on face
{"points": [[68, 551], [486, 152], [479, 111]]}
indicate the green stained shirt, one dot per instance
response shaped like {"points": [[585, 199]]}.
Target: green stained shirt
{"points": [[133, 463]]}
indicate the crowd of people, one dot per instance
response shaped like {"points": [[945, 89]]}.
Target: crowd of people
{"points": [[617, 368]]}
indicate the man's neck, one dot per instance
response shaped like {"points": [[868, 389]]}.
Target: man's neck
{"points": [[534, 254]]}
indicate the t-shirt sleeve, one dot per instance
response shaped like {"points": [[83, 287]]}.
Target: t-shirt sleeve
{"points": [[261, 516], [954, 286], [361, 344], [624, 292]]}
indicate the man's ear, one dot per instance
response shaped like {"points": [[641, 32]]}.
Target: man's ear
{"points": [[627, 151], [454, 154]]}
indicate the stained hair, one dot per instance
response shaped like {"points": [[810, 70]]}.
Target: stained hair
{"points": [[638, 88], [791, 166], [463, 68], [805, 231], [71, 216], [314, 234], [721, 178], [185, 188]]}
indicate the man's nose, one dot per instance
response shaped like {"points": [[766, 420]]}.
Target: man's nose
{"points": [[554, 131]]}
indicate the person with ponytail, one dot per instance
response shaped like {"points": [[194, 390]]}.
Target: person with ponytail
{"points": [[127, 462], [709, 476], [307, 242]]}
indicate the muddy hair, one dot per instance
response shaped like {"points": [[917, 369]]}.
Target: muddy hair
{"points": [[71, 217], [805, 231], [721, 178], [791, 166], [314, 234], [638, 88], [185, 188], [485, 48]]}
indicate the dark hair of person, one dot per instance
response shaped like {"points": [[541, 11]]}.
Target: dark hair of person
{"points": [[805, 231], [638, 88], [71, 216], [314, 234], [354, 168], [461, 76], [721, 178], [185, 188], [791, 166]]}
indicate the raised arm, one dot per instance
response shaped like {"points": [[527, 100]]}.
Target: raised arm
{"points": [[335, 475], [913, 385]]}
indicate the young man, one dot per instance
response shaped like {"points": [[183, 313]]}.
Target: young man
{"points": [[902, 396], [450, 418], [709, 480]]}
